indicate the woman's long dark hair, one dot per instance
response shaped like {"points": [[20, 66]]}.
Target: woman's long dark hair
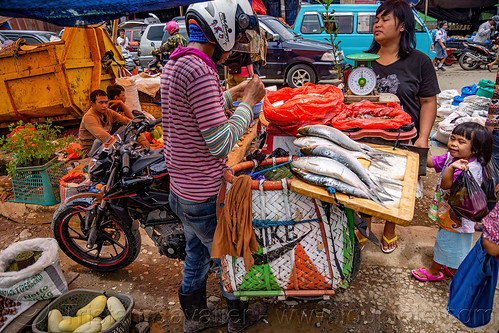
{"points": [[403, 15]]}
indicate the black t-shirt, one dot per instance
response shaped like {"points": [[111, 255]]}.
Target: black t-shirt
{"points": [[408, 78], [237, 60]]}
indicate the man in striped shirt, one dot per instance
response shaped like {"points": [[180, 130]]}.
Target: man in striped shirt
{"points": [[197, 139]]}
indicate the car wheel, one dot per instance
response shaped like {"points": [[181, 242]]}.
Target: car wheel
{"points": [[300, 74]]}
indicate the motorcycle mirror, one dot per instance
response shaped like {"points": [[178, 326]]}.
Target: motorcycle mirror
{"points": [[152, 44]]}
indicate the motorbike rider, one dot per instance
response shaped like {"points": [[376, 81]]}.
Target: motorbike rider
{"points": [[197, 139], [173, 41], [485, 30]]}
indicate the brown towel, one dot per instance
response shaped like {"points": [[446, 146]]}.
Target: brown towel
{"points": [[234, 234]]}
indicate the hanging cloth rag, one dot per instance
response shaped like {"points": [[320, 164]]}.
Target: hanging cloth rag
{"points": [[234, 234]]}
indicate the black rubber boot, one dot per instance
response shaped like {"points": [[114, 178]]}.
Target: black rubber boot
{"points": [[242, 315], [197, 314]]}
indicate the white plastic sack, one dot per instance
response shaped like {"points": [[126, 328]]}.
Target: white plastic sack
{"points": [[39, 281], [447, 96], [131, 93], [446, 109], [479, 120], [446, 126]]}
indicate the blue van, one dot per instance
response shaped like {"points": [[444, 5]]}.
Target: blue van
{"points": [[355, 27]]}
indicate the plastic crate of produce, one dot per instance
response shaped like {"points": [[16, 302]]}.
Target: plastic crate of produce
{"points": [[73, 300]]}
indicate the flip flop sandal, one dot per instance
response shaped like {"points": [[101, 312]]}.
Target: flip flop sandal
{"points": [[362, 240], [427, 276], [447, 271], [388, 242]]}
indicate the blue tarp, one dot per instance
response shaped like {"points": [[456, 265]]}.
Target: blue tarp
{"points": [[70, 13]]}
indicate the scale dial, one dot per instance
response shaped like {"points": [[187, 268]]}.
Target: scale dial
{"points": [[362, 81]]}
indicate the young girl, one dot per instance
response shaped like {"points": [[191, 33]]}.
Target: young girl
{"points": [[469, 148]]}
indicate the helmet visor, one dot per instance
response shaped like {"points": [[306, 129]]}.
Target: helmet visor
{"points": [[249, 42]]}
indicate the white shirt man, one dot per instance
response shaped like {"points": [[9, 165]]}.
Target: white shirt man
{"points": [[123, 41], [485, 29]]}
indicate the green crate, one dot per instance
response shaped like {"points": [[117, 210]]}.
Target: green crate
{"points": [[39, 185]]}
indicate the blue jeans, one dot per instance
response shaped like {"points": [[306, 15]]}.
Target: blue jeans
{"points": [[200, 221], [495, 153]]}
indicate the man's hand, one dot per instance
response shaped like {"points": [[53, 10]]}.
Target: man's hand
{"points": [[237, 91], [254, 91], [115, 102]]}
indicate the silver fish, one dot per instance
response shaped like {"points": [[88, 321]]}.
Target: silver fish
{"points": [[338, 154], [331, 168], [329, 182], [307, 141], [338, 137]]}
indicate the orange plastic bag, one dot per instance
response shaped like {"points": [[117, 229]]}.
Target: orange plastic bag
{"points": [[367, 115], [290, 109]]}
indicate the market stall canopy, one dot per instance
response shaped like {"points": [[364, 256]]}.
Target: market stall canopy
{"points": [[463, 11], [70, 13]]}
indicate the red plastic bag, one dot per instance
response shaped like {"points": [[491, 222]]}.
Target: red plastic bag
{"points": [[367, 115], [258, 7], [73, 151], [290, 109], [467, 198]]}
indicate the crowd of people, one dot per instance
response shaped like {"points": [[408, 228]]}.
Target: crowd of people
{"points": [[199, 133]]}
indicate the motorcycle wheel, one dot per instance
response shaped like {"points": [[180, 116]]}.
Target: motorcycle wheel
{"points": [[467, 63], [117, 246]]}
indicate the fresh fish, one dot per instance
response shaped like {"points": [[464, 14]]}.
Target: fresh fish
{"points": [[338, 137], [307, 141], [329, 182], [347, 160], [331, 168]]}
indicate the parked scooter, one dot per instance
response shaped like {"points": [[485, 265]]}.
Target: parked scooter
{"points": [[101, 230], [477, 55]]}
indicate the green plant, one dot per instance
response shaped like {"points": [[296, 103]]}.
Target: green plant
{"points": [[332, 30], [32, 144]]}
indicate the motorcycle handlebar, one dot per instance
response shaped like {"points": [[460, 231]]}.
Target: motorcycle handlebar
{"points": [[125, 162]]}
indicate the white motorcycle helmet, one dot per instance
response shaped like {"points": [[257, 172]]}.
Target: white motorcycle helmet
{"points": [[228, 24]]}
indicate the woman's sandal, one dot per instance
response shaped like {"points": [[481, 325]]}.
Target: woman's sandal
{"points": [[388, 242], [362, 240], [447, 271], [427, 276]]}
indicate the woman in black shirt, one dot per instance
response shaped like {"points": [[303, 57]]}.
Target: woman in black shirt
{"points": [[405, 72]]}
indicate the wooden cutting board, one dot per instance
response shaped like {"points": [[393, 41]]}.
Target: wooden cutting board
{"points": [[402, 214]]}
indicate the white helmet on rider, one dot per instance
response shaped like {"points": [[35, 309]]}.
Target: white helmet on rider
{"points": [[228, 24]]}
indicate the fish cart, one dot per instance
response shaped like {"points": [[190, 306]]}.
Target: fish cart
{"points": [[306, 247]]}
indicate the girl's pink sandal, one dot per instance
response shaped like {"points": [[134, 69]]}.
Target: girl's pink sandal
{"points": [[447, 271], [427, 276]]}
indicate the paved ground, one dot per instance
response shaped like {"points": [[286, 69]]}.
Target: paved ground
{"points": [[383, 298]]}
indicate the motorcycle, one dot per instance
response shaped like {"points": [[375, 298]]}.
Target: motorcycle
{"points": [[477, 55], [101, 230], [155, 66]]}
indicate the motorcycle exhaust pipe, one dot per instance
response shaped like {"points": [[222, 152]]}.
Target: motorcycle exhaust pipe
{"points": [[474, 57]]}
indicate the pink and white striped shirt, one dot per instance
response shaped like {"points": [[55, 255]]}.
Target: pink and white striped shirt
{"points": [[193, 105]]}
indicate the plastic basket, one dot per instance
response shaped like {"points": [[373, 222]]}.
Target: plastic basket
{"points": [[306, 248], [40, 184], [72, 301]]}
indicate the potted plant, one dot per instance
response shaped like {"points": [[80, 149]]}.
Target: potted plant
{"points": [[34, 169]]}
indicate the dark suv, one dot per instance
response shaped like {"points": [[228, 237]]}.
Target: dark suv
{"points": [[289, 56], [30, 36]]}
